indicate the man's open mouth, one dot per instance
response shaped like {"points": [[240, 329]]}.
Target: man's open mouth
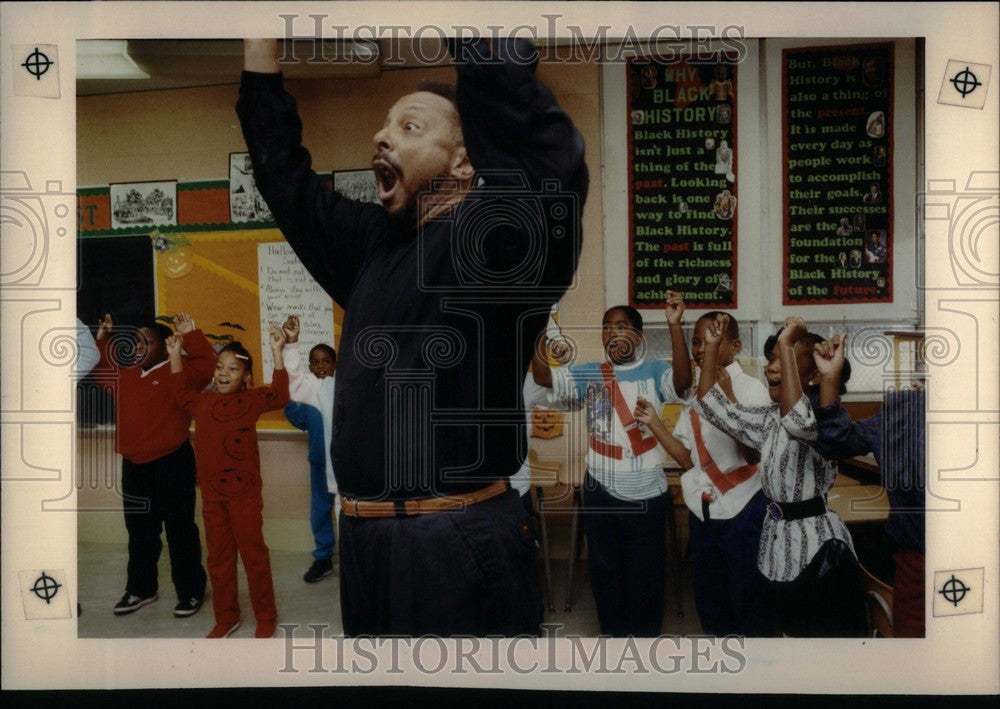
{"points": [[387, 176]]}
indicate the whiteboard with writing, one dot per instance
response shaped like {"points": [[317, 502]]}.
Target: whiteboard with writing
{"points": [[286, 288]]}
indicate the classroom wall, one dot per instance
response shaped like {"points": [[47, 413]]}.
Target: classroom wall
{"points": [[187, 135]]}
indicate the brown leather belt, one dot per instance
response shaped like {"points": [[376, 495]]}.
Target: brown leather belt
{"points": [[353, 507]]}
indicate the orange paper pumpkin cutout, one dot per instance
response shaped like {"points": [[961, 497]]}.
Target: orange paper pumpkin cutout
{"points": [[546, 423]]}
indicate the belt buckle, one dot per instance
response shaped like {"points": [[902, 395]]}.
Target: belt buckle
{"points": [[774, 509]]}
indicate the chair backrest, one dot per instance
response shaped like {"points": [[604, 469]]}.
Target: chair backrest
{"points": [[879, 615], [544, 473], [878, 604]]}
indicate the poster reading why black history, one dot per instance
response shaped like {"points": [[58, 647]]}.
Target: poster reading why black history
{"points": [[682, 180], [838, 174]]}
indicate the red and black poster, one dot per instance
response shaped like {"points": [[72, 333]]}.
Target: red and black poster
{"points": [[837, 109], [682, 180]]}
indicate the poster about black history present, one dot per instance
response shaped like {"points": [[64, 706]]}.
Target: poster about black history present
{"points": [[837, 104], [682, 180]]}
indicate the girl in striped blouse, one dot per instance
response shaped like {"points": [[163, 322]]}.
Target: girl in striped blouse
{"points": [[806, 552]]}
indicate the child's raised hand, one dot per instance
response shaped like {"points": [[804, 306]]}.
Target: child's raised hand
{"points": [[716, 330], [183, 323], [792, 330], [277, 338], [291, 329], [104, 326], [829, 356], [174, 344], [674, 307], [644, 412]]}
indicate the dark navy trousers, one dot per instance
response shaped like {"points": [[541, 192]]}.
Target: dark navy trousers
{"points": [[730, 593], [157, 496], [462, 572], [627, 551]]}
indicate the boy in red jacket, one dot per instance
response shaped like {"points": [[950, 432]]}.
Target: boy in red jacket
{"points": [[158, 469]]}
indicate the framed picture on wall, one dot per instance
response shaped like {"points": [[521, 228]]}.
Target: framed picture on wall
{"points": [[245, 202], [357, 184], [140, 204]]}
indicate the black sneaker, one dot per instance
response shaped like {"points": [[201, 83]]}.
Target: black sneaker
{"points": [[320, 569], [131, 603], [188, 607]]}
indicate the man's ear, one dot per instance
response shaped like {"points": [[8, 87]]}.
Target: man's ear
{"points": [[737, 345], [461, 166]]}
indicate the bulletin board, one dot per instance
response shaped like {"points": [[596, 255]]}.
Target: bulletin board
{"points": [[837, 157], [215, 276], [848, 81], [681, 210], [682, 179]]}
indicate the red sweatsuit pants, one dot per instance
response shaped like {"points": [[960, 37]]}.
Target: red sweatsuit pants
{"points": [[232, 525]]}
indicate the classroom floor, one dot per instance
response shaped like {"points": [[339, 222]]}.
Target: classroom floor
{"points": [[101, 572]]}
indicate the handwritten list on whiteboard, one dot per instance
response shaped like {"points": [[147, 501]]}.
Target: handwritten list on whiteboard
{"points": [[286, 288]]}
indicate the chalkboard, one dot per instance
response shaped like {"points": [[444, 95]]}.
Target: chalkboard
{"points": [[116, 276], [682, 195], [838, 155]]}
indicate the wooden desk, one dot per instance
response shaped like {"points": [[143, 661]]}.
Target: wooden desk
{"points": [[843, 480], [863, 468], [859, 503]]}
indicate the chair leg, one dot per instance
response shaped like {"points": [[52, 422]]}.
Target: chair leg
{"points": [[573, 546], [540, 511]]}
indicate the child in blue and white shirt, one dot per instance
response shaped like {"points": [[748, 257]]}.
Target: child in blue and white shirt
{"points": [[625, 489], [314, 390]]}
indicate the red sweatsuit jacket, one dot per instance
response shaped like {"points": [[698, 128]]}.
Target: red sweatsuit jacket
{"points": [[149, 422], [225, 436]]}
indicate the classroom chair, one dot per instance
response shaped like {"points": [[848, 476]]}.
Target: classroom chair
{"points": [[878, 603], [544, 474]]}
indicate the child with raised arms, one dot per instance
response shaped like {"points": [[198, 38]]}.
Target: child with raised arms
{"points": [[722, 490], [625, 493], [806, 552], [225, 446], [158, 464], [895, 436], [311, 409]]}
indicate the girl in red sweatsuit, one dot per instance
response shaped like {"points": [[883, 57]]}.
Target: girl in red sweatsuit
{"points": [[225, 446]]}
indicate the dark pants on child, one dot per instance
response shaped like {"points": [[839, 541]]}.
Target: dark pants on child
{"points": [[730, 593], [157, 496], [826, 600], [627, 550], [232, 525], [461, 572], [321, 512]]}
